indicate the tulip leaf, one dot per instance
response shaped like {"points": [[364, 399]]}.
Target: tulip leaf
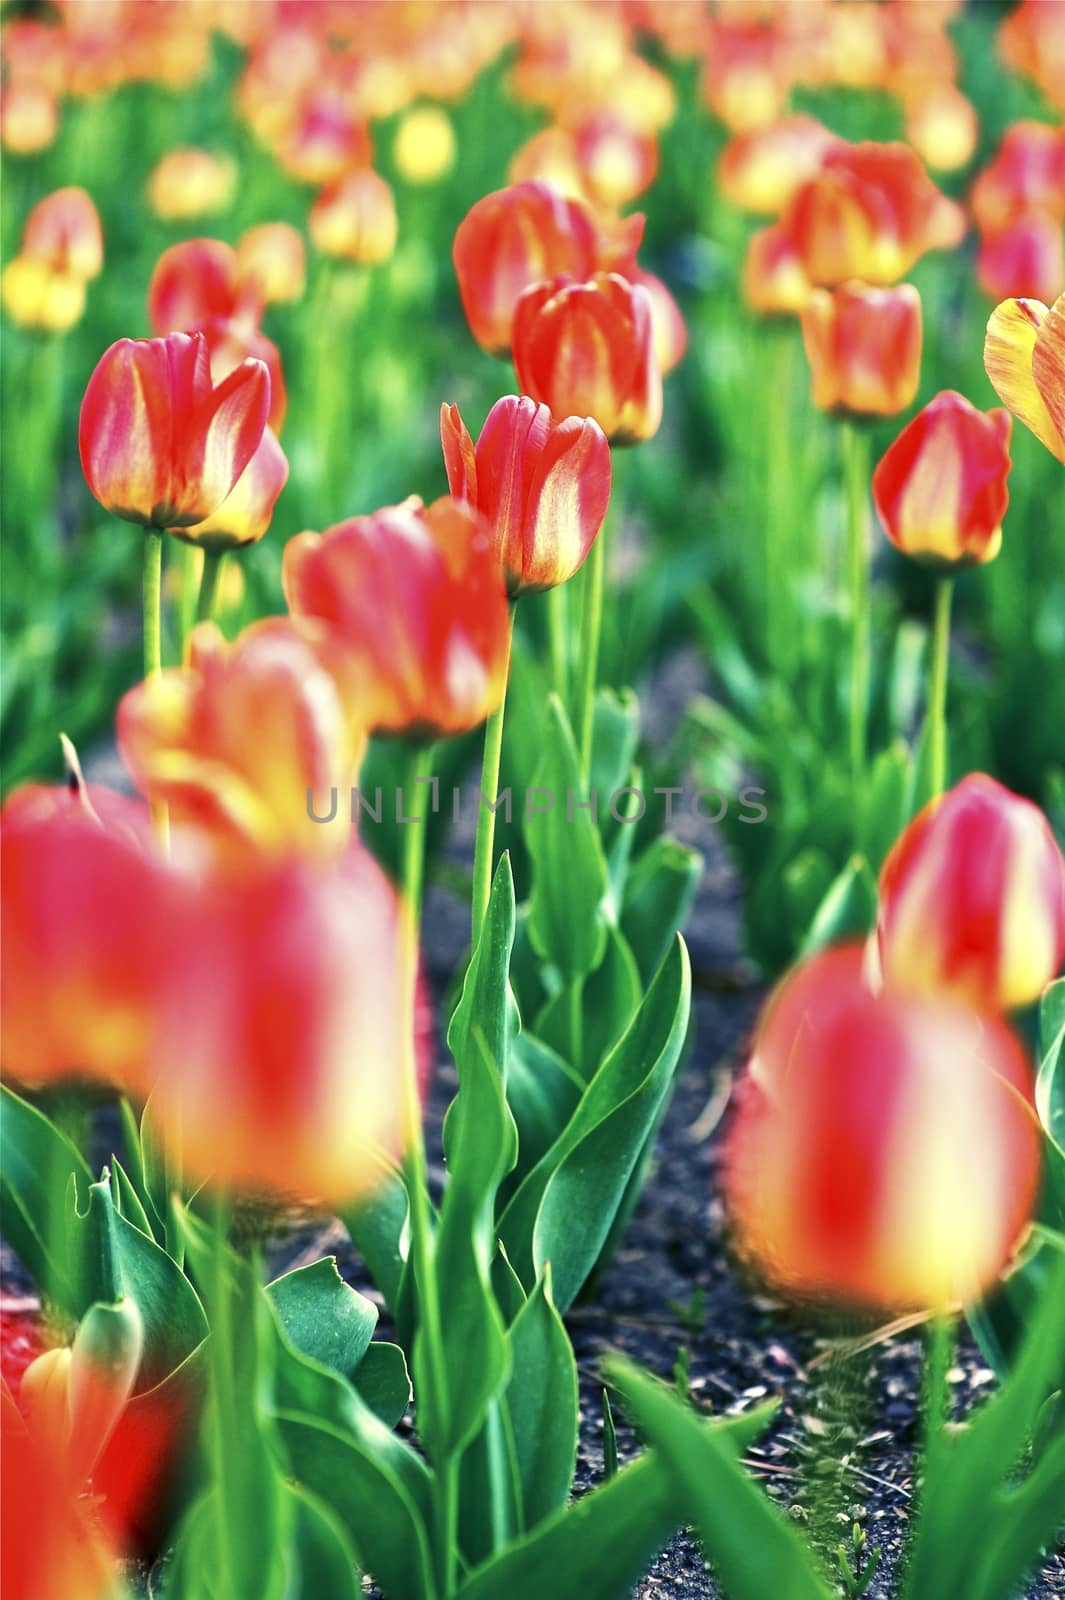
{"points": [[615, 735], [39, 1161], [127, 1201], [541, 1400], [659, 892], [383, 1382], [1050, 1085], [585, 1173], [754, 1552], [885, 804], [325, 1561], [323, 1316], [378, 1226], [847, 910], [542, 1091], [567, 922]]}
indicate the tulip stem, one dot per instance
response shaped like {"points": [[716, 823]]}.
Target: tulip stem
{"points": [[432, 1374], [151, 595], [210, 580], [591, 628], [486, 815], [937, 689], [557, 620], [221, 1351], [856, 470]]}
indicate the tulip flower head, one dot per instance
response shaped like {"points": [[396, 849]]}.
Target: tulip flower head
{"points": [[191, 183], [1024, 354], [160, 443], [193, 283], [774, 279], [588, 349], [885, 1151], [972, 899], [1025, 259], [64, 230], [356, 218], [272, 261], [542, 487], [940, 490], [1025, 177], [864, 348], [247, 510], [424, 148], [761, 170], [412, 601], [943, 127]]}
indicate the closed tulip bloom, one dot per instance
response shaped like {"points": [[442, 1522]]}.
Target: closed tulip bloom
{"points": [[36, 296], [761, 170], [1026, 175], [356, 219], [424, 147], [193, 283], [542, 487], [284, 1028], [83, 900], [510, 240], [1032, 41], [668, 328], [160, 444], [191, 183], [64, 231], [972, 899], [29, 117], [940, 490], [588, 349], [412, 599], [774, 279], [1026, 259], [1024, 354], [864, 348], [247, 510], [943, 127], [272, 261], [885, 1151], [233, 741], [618, 161]]}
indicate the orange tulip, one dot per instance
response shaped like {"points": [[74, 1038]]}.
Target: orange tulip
{"points": [[761, 170], [160, 444], [191, 183], [511, 240], [940, 490], [972, 899], [63, 230], [284, 1074], [864, 348], [84, 917], [885, 1151], [29, 117], [412, 600], [1024, 354], [774, 282], [233, 741], [1032, 41], [1025, 259], [1027, 174], [542, 487], [588, 349], [943, 127], [271, 261], [356, 218]]}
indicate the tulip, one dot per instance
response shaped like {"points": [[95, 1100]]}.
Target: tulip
{"points": [[412, 598], [1032, 42], [550, 157], [774, 280], [356, 218], [542, 487], [864, 348], [271, 261], [668, 330], [191, 183], [588, 349], [160, 444], [885, 1150], [1024, 354], [247, 510], [36, 296], [1026, 175], [424, 148], [235, 740], [940, 490], [324, 140], [761, 170], [511, 240], [63, 230], [972, 899], [193, 283], [236, 340], [29, 118], [617, 160], [286, 1076], [84, 935], [943, 127], [1025, 259]]}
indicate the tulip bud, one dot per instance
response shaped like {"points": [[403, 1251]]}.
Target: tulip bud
{"points": [[191, 183], [424, 148], [511, 240], [972, 899], [29, 118], [588, 349], [193, 283], [885, 1151], [1027, 175], [104, 1362], [235, 740], [542, 487], [63, 230], [1024, 354], [271, 261], [864, 348], [940, 490], [774, 280], [1025, 259], [412, 600], [356, 218], [160, 444], [617, 160], [761, 170], [943, 127]]}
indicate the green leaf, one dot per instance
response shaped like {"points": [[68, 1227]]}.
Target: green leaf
{"points": [[567, 922], [564, 1208], [378, 1225], [751, 1548], [127, 1201], [885, 802], [325, 1561], [611, 998], [39, 1161], [659, 894], [383, 1382], [323, 1316], [541, 1400], [847, 911], [1050, 1084], [542, 1091], [615, 735]]}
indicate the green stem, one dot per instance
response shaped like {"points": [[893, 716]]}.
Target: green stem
{"points": [[779, 524], [223, 1433], [151, 596], [558, 632], [591, 628], [486, 816], [210, 580], [429, 1327], [937, 689], [856, 469], [576, 1023]]}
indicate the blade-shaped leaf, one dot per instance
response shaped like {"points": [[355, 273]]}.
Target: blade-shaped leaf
{"points": [[323, 1316], [38, 1162], [566, 912]]}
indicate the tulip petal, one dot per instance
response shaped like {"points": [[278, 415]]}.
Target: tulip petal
{"points": [[567, 499], [240, 407], [460, 462], [1048, 367], [1009, 350]]}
